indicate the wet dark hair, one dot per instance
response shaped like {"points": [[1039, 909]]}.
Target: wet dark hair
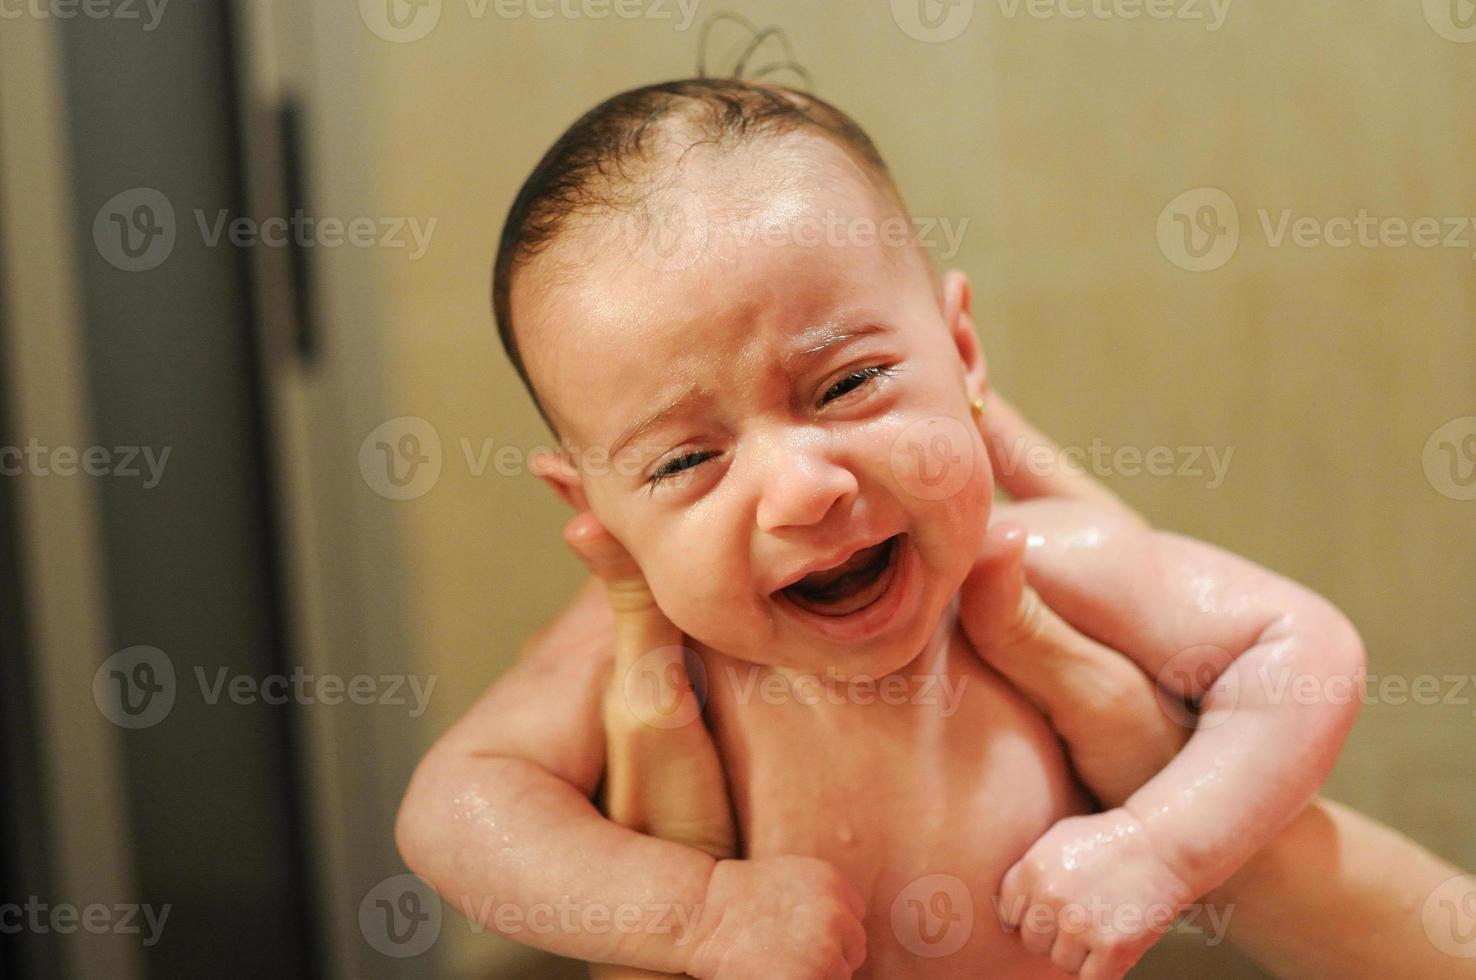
{"points": [[602, 162]]}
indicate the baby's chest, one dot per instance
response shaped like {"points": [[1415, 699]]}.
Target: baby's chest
{"points": [[968, 784], [923, 804], [956, 770]]}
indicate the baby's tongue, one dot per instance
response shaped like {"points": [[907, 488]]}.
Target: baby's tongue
{"points": [[852, 585]]}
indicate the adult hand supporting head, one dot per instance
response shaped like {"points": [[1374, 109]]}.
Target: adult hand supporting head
{"points": [[1107, 711], [662, 774]]}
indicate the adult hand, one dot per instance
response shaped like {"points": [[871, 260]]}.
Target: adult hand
{"points": [[1334, 894], [1105, 709], [662, 774]]}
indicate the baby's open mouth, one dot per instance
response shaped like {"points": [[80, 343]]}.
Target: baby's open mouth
{"points": [[850, 586]]}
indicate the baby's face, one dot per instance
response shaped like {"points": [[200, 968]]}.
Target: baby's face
{"points": [[804, 400]]}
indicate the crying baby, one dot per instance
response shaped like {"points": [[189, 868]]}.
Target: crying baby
{"points": [[717, 300]]}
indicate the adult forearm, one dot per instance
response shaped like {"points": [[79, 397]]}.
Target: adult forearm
{"points": [[1337, 894]]}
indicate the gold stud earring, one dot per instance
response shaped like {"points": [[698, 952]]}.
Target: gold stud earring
{"points": [[978, 407]]}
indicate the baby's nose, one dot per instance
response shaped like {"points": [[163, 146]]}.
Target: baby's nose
{"points": [[800, 482]]}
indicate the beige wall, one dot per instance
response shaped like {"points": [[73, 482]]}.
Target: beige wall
{"points": [[1060, 141]]}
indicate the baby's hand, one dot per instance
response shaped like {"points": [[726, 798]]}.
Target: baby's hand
{"points": [[779, 918], [1093, 895]]}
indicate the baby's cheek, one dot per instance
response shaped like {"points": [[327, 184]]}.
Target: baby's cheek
{"points": [[682, 591], [932, 459], [954, 526], [941, 472]]}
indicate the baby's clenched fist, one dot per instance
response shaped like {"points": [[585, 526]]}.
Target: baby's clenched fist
{"points": [[779, 918], [1092, 895]]}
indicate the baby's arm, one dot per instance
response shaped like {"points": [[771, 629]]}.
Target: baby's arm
{"points": [[1208, 625], [498, 814]]}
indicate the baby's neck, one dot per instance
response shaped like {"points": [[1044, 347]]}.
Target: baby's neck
{"points": [[929, 659]]}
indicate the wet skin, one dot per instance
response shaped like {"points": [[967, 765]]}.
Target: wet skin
{"points": [[776, 463]]}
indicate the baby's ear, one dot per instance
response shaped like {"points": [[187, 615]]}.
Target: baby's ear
{"points": [[958, 316], [556, 470]]}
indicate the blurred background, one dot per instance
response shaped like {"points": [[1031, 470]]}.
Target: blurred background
{"points": [[266, 525]]}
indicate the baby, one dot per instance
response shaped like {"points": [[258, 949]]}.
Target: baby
{"points": [[765, 393]]}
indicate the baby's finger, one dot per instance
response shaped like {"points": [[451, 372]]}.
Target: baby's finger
{"points": [[1069, 952], [853, 946], [1038, 933], [1102, 964], [1011, 907]]}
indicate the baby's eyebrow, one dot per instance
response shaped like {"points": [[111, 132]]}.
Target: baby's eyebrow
{"points": [[686, 393], [816, 340], [807, 345]]}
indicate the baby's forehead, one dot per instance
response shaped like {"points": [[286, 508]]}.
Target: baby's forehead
{"points": [[792, 225]]}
